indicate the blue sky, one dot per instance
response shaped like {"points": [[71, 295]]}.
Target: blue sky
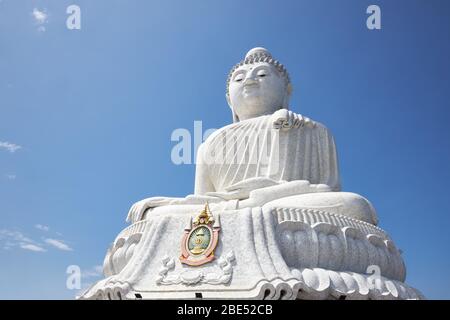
{"points": [[86, 117]]}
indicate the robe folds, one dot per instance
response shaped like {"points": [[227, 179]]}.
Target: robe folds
{"points": [[253, 154], [255, 149]]}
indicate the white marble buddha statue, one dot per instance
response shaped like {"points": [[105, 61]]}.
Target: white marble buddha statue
{"points": [[280, 228], [297, 161]]}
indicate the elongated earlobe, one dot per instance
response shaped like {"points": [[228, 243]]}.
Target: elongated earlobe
{"points": [[289, 89], [235, 117]]}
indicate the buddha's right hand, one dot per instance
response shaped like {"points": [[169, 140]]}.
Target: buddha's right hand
{"points": [[284, 119], [137, 210]]}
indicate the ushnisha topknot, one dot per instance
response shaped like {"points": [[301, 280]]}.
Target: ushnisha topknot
{"points": [[255, 55]]}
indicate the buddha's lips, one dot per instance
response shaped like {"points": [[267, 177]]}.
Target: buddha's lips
{"points": [[252, 85], [250, 88]]}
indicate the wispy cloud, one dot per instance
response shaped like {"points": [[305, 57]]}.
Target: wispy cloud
{"points": [[58, 244], [42, 227], [11, 147], [95, 271], [13, 238], [32, 247], [10, 176], [40, 15], [10, 239], [40, 18]]}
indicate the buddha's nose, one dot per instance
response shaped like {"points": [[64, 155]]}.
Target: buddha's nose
{"points": [[250, 81]]}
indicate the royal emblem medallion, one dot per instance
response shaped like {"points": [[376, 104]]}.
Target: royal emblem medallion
{"points": [[200, 239]]}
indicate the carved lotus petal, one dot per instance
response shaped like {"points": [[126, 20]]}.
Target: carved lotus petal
{"points": [[350, 282], [337, 282], [316, 279], [362, 283]]}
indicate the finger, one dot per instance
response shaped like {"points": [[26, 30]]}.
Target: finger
{"points": [[283, 113], [323, 188], [302, 120], [297, 121], [308, 122], [277, 125], [312, 123], [291, 119], [286, 120]]}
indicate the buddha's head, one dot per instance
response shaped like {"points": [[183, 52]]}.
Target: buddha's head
{"points": [[257, 86]]}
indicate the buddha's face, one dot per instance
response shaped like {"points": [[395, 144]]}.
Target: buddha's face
{"points": [[257, 89]]}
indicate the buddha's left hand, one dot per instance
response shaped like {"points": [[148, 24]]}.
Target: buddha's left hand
{"points": [[261, 196]]}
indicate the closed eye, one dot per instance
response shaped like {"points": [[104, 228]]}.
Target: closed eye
{"points": [[261, 73]]}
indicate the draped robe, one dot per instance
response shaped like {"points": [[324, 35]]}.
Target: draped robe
{"points": [[253, 148], [253, 154]]}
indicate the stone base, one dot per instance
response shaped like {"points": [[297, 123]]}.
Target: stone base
{"points": [[263, 253], [311, 284]]}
